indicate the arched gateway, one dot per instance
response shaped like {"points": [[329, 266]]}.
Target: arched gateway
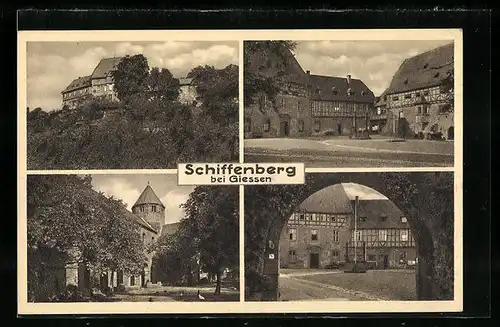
{"points": [[426, 199]]}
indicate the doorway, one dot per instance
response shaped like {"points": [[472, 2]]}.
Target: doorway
{"points": [[451, 133], [385, 259], [284, 128], [314, 260], [339, 129]]}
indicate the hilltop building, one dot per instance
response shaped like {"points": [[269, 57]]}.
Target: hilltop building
{"points": [[320, 233], [304, 104], [415, 102], [100, 84]]}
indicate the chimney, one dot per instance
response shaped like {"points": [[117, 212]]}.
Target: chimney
{"points": [[308, 72], [348, 79]]}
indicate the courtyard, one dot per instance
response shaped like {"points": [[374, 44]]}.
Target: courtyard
{"points": [[379, 151], [335, 285]]}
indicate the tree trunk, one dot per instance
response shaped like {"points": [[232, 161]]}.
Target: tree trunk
{"points": [[218, 285]]}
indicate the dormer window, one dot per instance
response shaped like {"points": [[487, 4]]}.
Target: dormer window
{"points": [[404, 220], [436, 75], [349, 91], [383, 218], [406, 81], [362, 219], [426, 65], [363, 93], [318, 91]]}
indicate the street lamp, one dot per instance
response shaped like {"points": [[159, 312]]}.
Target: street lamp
{"points": [[400, 125]]}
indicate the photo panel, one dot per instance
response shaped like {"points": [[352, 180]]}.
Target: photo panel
{"points": [[366, 236], [122, 238], [130, 104], [350, 103]]}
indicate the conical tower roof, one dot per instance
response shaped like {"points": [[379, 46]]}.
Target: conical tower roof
{"points": [[148, 196]]}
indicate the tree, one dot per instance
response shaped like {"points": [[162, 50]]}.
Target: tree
{"points": [[216, 84], [255, 82], [131, 76], [448, 87], [208, 233], [161, 84], [65, 214]]}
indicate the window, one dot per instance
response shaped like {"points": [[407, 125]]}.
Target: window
{"points": [[143, 237], [404, 220], [371, 257], [404, 235], [426, 65], [417, 94], [301, 216], [382, 235], [436, 75], [132, 281], [301, 125], [385, 97], [292, 234], [362, 219], [426, 93], [282, 102], [153, 208], [408, 96], [395, 98], [335, 235], [267, 125], [419, 110], [314, 235], [318, 91], [152, 239], [298, 106], [363, 93], [406, 81], [383, 218], [292, 252], [335, 253], [141, 208], [317, 125], [359, 235]]}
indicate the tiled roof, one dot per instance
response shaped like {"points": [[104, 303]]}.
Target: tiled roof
{"points": [[105, 67], [148, 196], [169, 229], [424, 70], [372, 210], [78, 83], [337, 89], [138, 220], [331, 199]]}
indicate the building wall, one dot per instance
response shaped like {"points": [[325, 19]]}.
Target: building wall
{"points": [[417, 116], [187, 94]]}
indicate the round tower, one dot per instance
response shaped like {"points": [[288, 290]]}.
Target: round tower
{"points": [[149, 207]]}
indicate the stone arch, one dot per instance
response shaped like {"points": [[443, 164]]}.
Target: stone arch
{"points": [[267, 209]]}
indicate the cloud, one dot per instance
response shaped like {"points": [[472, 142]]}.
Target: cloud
{"points": [[52, 66], [363, 192], [172, 201], [374, 62], [120, 188]]}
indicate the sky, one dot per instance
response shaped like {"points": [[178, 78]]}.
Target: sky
{"points": [[363, 192], [51, 66], [374, 62], [129, 188]]}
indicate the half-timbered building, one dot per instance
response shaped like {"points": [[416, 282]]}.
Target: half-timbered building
{"points": [[416, 102], [321, 232]]}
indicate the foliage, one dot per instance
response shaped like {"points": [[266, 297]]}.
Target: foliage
{"points": [[148, 130], [448, 87], [131, 76], [208, 235], [254, 82], [66, 215]]}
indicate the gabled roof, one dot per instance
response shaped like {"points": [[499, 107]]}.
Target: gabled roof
{"points": [[148, 196], [78, 83], [331, 199], [169, 229], [372, 210], [138, 220], [336, 89], [424, 70], [105, 67]]}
